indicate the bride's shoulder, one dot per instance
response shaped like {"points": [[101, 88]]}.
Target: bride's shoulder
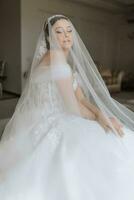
{"points": [[42, 69], [45, 62]]}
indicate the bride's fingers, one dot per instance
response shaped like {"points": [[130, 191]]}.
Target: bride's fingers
{"points": [[104, 126], [117, 122], [115, 127], [121, 133]]}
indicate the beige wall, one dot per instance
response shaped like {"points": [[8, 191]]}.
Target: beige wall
{"points": [[97, 29], [125, 47], [10, 43]]}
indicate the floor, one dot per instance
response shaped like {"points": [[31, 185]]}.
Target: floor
{"points": [[8, 103], [7, 107]]}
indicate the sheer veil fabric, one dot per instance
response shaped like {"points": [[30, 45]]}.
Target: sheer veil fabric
{"points": [[80, 61], [48, 99]]}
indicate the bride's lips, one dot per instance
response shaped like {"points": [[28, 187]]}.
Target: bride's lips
{"points": [[66, 41]]}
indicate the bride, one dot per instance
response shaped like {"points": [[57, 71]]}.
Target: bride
{"points": [[67, 139]]}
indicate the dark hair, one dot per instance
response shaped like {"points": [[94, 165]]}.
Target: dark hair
{"points": [[46, 29]]}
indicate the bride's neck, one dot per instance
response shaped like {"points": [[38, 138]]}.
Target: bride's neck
{"points": [[66, 52]]}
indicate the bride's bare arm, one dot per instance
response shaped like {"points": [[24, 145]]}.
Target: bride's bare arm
{"points": [[85, 110], [98, 115], [85, 102]]}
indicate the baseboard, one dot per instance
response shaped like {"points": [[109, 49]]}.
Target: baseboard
{"points": [[12, 93]]}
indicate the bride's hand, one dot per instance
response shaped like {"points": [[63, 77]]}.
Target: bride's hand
{"points": [[103, 121], [117, 125], [85, 112]]}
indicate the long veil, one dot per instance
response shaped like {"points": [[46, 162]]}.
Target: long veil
{"points": [[61, 68]]}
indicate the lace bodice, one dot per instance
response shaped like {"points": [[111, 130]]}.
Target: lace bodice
{"points": [[44, 93], [43, 104]]}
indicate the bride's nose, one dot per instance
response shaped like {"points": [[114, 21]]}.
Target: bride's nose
{"points": [[65, 33]]}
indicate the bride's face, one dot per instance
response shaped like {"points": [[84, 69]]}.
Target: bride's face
{"points": [[63, 31]]}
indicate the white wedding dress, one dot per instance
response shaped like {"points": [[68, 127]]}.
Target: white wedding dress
{"points": [[63, 157]]}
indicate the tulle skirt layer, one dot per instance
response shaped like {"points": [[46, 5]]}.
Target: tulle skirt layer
{"points": [[75, 160]]}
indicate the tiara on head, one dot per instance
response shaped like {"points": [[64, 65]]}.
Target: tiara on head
{"points": [[53, 16]]}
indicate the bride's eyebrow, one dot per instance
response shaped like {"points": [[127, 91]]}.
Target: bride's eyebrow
{"points": [[62, 27], [58, 27]]}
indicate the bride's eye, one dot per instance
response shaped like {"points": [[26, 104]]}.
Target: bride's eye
{"points": [[69, 30], [60, 30]]}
